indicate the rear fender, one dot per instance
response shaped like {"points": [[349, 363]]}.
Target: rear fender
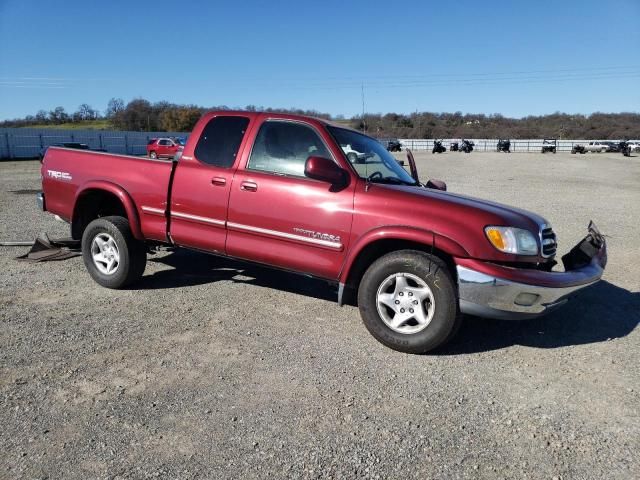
{"points": [[121, 194]]}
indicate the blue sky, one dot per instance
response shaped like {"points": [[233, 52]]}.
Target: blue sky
{"points": [[511, 57]]}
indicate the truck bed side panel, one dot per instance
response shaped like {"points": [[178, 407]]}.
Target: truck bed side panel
{"points": [[66, 172]]}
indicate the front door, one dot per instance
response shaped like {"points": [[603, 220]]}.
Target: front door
{"points": [[280, 217], [201, 184]]}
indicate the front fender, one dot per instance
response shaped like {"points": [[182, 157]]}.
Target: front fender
{"points": [[400, 232], [121, 194]]}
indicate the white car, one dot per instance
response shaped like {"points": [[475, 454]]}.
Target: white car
{"points": [[597, 147], [353, 155], [634, 145]]}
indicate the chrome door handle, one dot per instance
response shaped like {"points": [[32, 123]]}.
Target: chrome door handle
{"points": [[249, 186], [219, 181]]}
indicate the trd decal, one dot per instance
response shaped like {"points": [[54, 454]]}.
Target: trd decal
{"points": [[59, 175]]}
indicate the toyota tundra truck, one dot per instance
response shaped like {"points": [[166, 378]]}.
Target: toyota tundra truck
{"points": [[279, 190]]}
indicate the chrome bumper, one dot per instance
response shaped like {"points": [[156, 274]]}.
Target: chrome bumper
{"points": [[491, 297], [40, 201], [529, 293]]}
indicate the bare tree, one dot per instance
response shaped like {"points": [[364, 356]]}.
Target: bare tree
{"points": [[115, 106]]}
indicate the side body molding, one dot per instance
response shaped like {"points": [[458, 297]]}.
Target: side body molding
{"points": [[121, 194]]}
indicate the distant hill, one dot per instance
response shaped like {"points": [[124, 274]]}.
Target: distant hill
{"points": [[142, 115], [100, 124]]}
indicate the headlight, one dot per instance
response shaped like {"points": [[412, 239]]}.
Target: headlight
{"points": [[512, 240]]}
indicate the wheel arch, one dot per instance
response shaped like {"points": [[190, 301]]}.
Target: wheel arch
{"points": [[99, 199], [379, 242]]}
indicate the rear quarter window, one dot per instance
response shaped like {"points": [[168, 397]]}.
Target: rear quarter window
{"points": [[220, 140]]}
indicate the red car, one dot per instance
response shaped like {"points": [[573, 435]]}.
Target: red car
{"points": [[278, 189], [163, 147]]}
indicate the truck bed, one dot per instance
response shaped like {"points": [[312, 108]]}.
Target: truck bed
{"points": [[145, 180]]}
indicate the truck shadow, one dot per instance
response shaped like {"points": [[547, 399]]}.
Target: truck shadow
{"points": [[596, 314], [192, 268], [599, 313]]}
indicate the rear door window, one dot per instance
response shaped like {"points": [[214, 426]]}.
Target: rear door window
{"points": [[220, 140]]}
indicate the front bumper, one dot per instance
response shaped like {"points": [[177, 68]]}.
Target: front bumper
{"points": [[496, 291]]}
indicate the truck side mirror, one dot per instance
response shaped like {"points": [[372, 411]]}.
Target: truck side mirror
{"points": [[325, 170]]}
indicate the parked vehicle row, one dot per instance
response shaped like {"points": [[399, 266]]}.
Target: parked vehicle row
{"points": [[549, 145], [280, 190], [625, 147]]}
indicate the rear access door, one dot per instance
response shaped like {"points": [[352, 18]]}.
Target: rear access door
{"points": [[202, 181]]}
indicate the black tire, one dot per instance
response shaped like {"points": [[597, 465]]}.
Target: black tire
{"points": [[131, 252], [432, 271], [153, 155], [352, 157]]}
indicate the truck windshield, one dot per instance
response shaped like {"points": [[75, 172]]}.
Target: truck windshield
{"points": [[369, 158]]}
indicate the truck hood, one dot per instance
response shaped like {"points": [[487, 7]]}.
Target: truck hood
{"points": [[493, 211], [458, 217], [511, 215]]}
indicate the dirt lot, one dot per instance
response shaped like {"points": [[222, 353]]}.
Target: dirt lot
{"points": [[213, 369]]}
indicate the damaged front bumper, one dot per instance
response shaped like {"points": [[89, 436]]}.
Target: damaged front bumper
{"points": [[497, 291]]}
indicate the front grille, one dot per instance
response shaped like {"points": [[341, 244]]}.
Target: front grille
{"points": [[548, 239]]}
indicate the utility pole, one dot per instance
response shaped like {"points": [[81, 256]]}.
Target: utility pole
{"points": [[364, 124]]}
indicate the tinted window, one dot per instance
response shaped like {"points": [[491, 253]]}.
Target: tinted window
{"points": [[283, 147], [220, 140]]}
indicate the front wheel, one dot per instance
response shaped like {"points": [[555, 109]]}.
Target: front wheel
{"points": [[407, 300], [113, 257]]}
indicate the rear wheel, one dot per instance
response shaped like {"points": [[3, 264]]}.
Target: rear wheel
{"points": [[407, 300], [113, 257], [153, 155]]}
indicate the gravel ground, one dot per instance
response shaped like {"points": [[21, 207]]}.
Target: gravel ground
{"points": [[213, 369]]}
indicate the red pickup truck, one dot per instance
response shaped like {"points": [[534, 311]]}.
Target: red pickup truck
{"points": [[279, 190]]}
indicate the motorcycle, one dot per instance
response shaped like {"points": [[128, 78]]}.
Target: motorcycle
{"points": [[466, 146], [438, 147], [504, 146], [453, 147]]}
